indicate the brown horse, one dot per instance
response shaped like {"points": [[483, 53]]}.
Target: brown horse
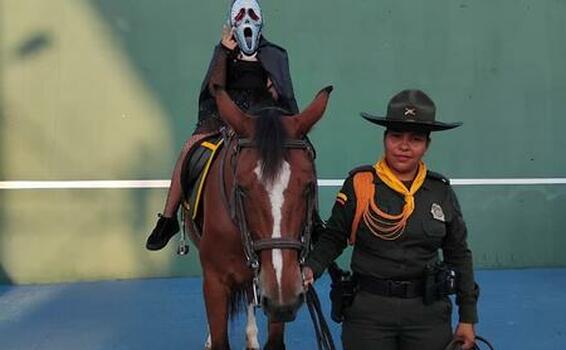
{"points": [[256, 217]]}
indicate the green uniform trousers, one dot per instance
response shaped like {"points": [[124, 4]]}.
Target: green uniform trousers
{"points": [[389, 323]]}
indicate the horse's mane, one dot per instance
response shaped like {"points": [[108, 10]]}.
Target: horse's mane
{"points": [[269, 139]]}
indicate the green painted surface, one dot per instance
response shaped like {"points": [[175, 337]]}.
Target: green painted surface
{"points": [[115, 98]]}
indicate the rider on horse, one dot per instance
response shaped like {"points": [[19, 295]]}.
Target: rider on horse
{"points": [[254, 72]]}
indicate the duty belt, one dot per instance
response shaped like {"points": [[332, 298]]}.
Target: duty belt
{"points": [[390, 288]]}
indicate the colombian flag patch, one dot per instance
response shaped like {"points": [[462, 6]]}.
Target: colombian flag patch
{"points": [[341, 198]]}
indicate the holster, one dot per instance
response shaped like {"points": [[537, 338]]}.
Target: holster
{"points": [[342, 291], [440, 281]]}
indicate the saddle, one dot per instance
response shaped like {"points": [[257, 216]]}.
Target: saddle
{"points": [[194, 173]]}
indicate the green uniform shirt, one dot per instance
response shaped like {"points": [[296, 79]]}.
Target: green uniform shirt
{"points": [[404, 258]]}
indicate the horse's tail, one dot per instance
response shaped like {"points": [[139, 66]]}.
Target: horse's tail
{"points": [[239, 299]]}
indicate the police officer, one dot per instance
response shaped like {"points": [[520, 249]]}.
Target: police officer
{"points": [[398, 216]]}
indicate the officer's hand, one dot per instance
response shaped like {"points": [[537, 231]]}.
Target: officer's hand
{"points": [[308, 277], [465, 332], [227, 39]]}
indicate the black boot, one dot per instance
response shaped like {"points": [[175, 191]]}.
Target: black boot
{"points": [[162, 233]]}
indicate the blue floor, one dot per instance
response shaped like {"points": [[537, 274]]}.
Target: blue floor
{"points": [[519, 309]]}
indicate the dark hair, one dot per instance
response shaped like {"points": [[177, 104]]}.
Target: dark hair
{"points": [[417, 131], [270, 138]]}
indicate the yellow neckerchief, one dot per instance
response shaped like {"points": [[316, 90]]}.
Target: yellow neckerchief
{"points": [[381, 224]]}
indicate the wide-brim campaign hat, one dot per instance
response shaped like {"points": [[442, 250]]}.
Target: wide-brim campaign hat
{"points": [[411, 110]]}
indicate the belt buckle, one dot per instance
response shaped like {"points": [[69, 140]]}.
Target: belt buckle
{"points": [[397, 288]]}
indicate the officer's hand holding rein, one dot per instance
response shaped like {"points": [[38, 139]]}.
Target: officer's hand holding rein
{"points": [[308, 277], [466, 333]]}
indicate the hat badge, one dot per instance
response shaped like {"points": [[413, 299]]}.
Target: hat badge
{"points": [[410, 112]]}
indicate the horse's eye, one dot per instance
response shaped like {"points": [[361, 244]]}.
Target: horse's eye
{"points": [[242, 191]]}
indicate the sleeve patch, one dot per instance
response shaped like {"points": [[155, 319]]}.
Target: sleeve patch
{"points": [[341, 198]]}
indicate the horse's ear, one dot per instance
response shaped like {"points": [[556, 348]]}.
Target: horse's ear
{"points": [[231, 113], [305, 120]]}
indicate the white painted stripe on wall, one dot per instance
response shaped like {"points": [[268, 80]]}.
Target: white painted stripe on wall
{"points": [[83, 184], [126, 184], [330, 182], [510, 181]]}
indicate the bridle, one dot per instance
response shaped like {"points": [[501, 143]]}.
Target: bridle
{"points": [[236, 206]]}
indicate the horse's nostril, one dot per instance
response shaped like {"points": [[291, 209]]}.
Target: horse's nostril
{"points": [[282, 313]]}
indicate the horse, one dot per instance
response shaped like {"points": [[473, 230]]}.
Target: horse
{"points": [[256, 218]]}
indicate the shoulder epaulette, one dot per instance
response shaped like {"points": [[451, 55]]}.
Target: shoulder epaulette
{"points": [[362, 168], [437, 176]]}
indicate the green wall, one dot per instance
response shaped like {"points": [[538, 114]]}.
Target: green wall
{"points": [[107, 89]]}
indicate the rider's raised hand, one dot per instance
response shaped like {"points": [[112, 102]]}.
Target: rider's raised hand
{"points": [[227, 39]]}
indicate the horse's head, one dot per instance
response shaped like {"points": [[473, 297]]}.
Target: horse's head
{"points": [[275, 193]]}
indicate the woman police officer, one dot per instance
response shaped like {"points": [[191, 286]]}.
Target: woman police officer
{"points": [[398, 215]]}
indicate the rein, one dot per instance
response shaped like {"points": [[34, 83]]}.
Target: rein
{"points": [[323, 336], [455, 344]]}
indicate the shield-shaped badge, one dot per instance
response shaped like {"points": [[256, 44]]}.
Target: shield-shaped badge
{"points": [[437, 213]]}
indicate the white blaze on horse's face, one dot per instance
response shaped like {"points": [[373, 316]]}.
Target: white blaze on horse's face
{"points": [[275, 191]]}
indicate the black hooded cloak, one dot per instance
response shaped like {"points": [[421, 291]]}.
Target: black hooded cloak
{"points": [[274, 60]]}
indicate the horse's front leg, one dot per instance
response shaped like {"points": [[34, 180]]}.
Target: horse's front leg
{"points": [[252, 342], [208, 342], [216, 296], [275, 339]]}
